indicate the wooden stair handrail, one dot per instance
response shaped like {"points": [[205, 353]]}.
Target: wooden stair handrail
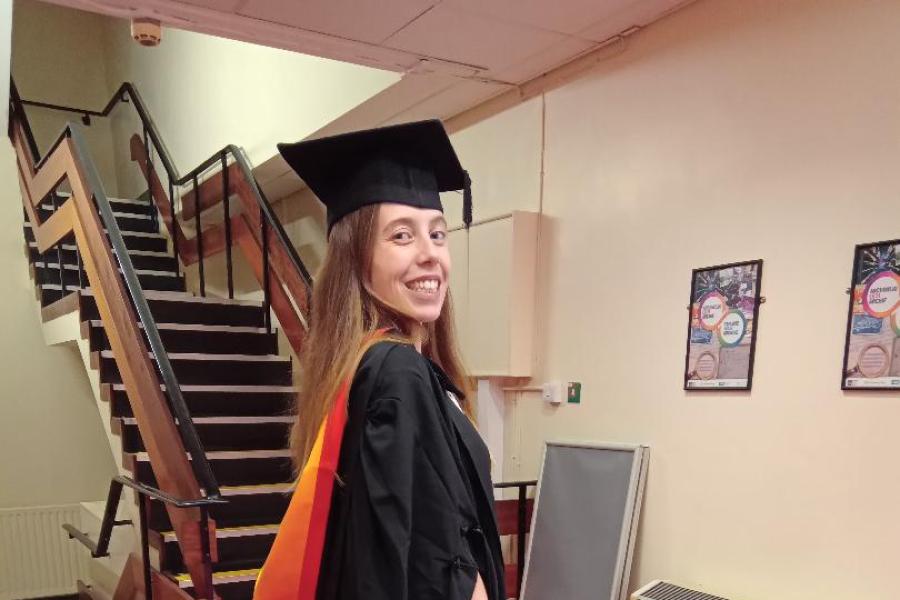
{"points": [[67, 161], [289, 294]]}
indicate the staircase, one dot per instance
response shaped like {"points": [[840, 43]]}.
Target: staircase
{"points": [[237, 387]]}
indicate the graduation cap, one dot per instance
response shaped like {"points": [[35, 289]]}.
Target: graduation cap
{"points": [[407, 164]]}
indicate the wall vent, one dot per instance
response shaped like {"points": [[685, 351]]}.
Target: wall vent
{"points": [[663, 590]]}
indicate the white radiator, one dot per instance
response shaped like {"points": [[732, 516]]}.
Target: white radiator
{"points": [[37, 558]]}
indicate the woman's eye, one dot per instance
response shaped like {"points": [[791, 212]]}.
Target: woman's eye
{"points": [[402, 236], [439, 236]]}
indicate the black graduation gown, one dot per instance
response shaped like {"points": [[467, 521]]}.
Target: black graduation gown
{"points": [[412, 512]]}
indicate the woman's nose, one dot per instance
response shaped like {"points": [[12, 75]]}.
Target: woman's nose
{"points": [[427, 250]]}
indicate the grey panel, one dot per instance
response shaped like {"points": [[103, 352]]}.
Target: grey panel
{"points": [[582, 530]]}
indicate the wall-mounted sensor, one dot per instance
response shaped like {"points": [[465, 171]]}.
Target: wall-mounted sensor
{"points": [[146, 32]]}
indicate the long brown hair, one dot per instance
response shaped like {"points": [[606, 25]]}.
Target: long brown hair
{"points": [[344, 319]]}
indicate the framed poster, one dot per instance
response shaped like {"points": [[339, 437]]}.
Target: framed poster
{"points": [[871, 346], [721, 337]]}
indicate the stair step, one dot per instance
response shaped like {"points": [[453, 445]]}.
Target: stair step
{"points": [[230, 585], [186, 308], [230, 467], [134, 240], [221, 369], [215, 401], [231, 532], [257, 504], [243, 547], [188, 337], [220, 433], [130, 221], [150, 280], [151, 260]]}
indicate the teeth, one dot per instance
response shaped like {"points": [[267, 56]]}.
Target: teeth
{"points": [[424, 285]]}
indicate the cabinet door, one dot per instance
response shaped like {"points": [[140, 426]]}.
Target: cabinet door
{"points": [[459, 287], [490, 273]]}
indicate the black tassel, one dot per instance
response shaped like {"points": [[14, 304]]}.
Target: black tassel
{"points": [[467, 199]]}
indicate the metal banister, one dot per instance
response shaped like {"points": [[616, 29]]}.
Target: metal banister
{"points": [[191, 439], [127, 90]]}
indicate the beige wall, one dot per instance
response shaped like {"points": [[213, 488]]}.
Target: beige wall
{"points": [[58, 57], [52, 444], [205, 92], [732, 130]]}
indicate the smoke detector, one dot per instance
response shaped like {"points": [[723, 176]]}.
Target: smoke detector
{"points": [[146, 32]]}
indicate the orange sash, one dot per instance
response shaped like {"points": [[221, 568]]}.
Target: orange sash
{"points": [[291, 570]]}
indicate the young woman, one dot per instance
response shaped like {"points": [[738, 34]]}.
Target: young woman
{"points": [[410, 513]]}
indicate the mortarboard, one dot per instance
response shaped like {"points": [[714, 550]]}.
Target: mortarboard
{"points": [[407, 164]]}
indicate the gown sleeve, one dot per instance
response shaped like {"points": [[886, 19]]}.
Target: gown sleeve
{"points": [[387, 453]]}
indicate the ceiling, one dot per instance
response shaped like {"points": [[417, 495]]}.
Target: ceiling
{"points": [[454, 54]]}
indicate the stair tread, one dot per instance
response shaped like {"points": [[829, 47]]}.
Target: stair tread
{"points": [[261, 488], [73, 247], [72, 267], [197, 327], [219, 577], [146, 234], [226, 454], [254, 420], [232, 532], [115, 213], [201, 356], [188, 297], [240, 389]]}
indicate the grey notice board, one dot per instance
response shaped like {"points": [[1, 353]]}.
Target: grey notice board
{"points": [[585, 521]]}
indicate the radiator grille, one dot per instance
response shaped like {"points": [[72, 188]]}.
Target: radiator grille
{"points": [[668, 591], [36, 556]]}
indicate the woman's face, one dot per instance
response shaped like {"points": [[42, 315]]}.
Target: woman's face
{"points": [[411, 260]]}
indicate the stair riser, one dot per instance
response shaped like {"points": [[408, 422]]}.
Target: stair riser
{"points": [[125, 223], [215, 372], [212, 342], [150, 263], [172, 311], [155, 244], [216, 404], [148, 282], [235, 553], [121, 207], [263, 436], [249, 471], [261, 509]]}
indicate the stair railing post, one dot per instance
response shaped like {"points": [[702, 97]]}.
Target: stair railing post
{"points": [[149, 158], [204, 548], [225, 200], [199, 236], [59, 255], [265, 266], [520, 542], [174, 222], [79, 266], [145, 547]]}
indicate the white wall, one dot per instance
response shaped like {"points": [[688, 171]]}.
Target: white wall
{"points": [[731, 130], [52, 442], [58, 58], [5, 58], [205, 92]]}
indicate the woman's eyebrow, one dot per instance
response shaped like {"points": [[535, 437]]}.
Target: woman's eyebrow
{"points": [[438, 220]]}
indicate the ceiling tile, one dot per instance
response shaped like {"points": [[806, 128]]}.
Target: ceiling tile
{"points": [[567, 17], [460, 36], [544, 61], [629, 14], [350, 19], [450, 101]]}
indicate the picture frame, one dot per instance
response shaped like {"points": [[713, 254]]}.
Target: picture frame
{"points": [[723, 324], [872, 339]]}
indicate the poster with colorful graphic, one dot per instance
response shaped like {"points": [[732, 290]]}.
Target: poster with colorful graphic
{"points": [[873, 332], [722, 326]]}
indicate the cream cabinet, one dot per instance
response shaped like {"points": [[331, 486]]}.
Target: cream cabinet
{"points": [[493, 288]]}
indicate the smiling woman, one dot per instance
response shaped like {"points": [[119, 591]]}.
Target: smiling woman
{"points": [[394, 499]]}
